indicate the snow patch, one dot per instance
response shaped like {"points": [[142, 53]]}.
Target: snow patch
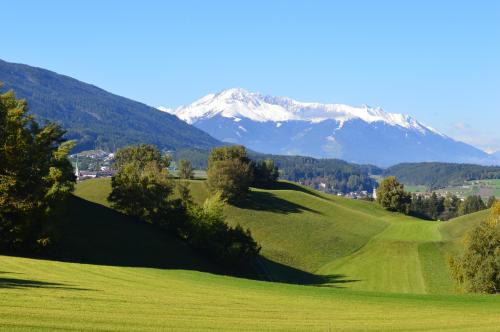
{"points": [[239, 103]]}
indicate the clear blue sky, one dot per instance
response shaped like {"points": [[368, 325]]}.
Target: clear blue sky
{"points": [[438, 61]]}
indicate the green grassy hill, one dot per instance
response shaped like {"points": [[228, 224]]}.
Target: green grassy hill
{"points": [[94, 233], [313, 238], [142, 280], [349, 241]]}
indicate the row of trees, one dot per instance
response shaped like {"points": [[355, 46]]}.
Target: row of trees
{"points": [[338, 175], [36, 177], [142, 188], [392, 196]]}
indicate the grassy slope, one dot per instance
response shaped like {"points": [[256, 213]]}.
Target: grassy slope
{"points": [[309, 237], [97, 234], [38, 295], [349, 240]]}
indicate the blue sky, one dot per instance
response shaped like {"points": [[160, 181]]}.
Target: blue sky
{"points": [[438, 61]]}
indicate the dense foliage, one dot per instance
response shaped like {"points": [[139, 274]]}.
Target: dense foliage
{"points": [[209, 232], [265, 173], [478, 269], [471, 204], [96, 118], [439, 175], [142, 188], [36, 176], [337, 175], [435, 207], [392, 196], [229, 172]]}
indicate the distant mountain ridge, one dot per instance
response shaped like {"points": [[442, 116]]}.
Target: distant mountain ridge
{"points": [[97, 118], [281, 125]]}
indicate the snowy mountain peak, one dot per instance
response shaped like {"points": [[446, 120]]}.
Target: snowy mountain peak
{"points": [[237, 103]]}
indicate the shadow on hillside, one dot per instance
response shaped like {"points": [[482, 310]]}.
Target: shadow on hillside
{"points": [[26, 283], [266, 201], [95, 234], [273, 271]]}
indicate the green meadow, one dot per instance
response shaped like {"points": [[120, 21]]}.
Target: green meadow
{"points": [[328, 264]]}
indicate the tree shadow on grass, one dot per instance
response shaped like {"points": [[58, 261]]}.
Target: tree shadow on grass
{"points": [[95, 234], [266, 201], [277, 272], [286, 185], [27, 283]]}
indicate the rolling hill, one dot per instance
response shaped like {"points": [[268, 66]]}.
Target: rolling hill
{"points": [[97, 118], [160, 287], [313, 238]]}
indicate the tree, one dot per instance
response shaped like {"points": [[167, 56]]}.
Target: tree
{"points": [[185, 169], [478, 269], [471, 204], [36, 176], [229, 172], [265, 173], [451, 206], [491, 201], [141, 186], [140, 155], [392, 196], [233, 152]]}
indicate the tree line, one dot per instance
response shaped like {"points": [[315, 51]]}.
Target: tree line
{"points": [[436, 175], [392, 196]]}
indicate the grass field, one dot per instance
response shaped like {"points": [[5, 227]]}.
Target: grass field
{"points": [[313, 238], [378, 271], [37, 295], [350, 243], [484, 188]]}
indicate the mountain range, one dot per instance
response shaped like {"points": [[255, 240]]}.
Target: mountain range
{"points": [[95, 117], [272, 125], [281, 125]]}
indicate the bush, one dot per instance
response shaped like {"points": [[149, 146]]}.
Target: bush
{"points": [[209, 233]]}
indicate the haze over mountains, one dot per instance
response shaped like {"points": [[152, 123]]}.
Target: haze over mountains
{"points": [[281, 125]]}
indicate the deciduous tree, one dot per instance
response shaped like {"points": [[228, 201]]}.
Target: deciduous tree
{"points": [[392, 196], [36, 176]]}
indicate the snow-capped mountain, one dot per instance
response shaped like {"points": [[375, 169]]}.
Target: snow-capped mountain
{"points": [[281, 125]]}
